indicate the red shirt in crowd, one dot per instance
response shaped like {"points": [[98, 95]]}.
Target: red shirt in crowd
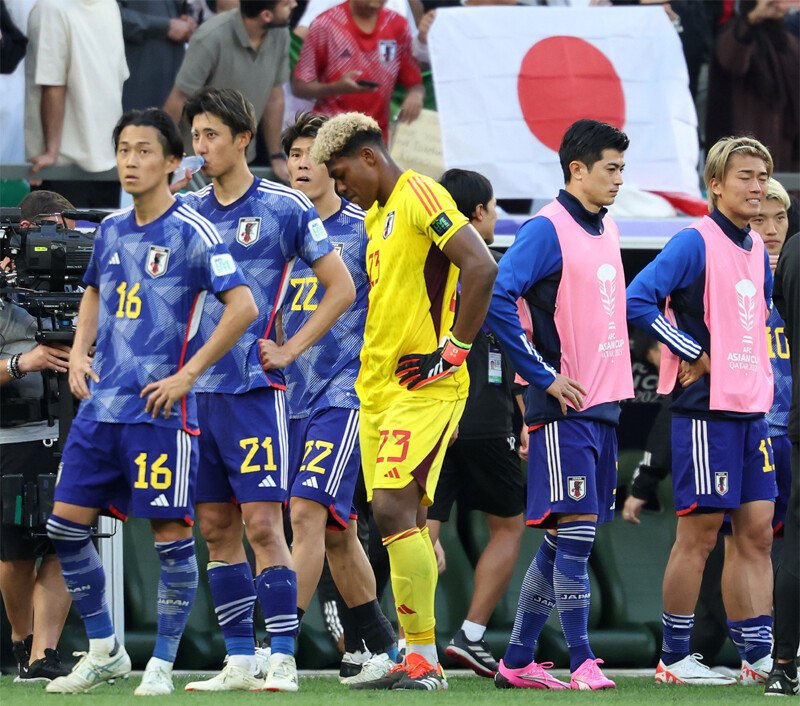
{"points": [[336, 45]]}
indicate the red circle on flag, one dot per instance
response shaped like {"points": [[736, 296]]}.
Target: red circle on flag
{"points": [[564, 79]]}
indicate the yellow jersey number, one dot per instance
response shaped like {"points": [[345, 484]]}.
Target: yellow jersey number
{"points": [[251, 446], [307, 285], [765, 447], [160, 475], [130, 305], [781, 347], [324, 449]]}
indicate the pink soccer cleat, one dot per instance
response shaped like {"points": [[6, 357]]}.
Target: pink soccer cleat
{"points": [[589, 677], [533, 676]]}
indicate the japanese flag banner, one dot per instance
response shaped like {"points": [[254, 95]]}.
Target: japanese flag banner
{"points": [[509, 81]]}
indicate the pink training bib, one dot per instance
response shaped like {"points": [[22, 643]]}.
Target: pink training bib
{"points": [[735, 314], [590, 309]]}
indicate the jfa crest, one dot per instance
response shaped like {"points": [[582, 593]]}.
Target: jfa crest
{"points": [[157, 261], [721, 482], [387, 50], [576, 487], [248, 231], [388, 227]]}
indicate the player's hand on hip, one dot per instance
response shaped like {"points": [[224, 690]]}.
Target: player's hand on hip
{"points": [[565, 390], [274, 356], [80, 368], [690, 373], [524, 439], [55, 358], [163, 394], [632, 510], [417, 370]]}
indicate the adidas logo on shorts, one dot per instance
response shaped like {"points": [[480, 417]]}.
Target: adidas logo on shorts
{"points": [[160, 501], [311, 483], [394, 473], [268, 482], [114, 259]]}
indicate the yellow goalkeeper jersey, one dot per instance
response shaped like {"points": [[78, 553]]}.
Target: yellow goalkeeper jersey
{"points": [[412, 298]]}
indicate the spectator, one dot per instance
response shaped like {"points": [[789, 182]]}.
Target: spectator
{"points": [[35, 597], [753, 78], [155, 32], [352, 58], [75, 55], [248, 51], [482, 468]]}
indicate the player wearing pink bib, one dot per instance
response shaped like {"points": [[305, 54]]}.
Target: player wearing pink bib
{"points": [[714, 281]]}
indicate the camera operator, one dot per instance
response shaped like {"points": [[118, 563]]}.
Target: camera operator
{"points": [[35, 597]]}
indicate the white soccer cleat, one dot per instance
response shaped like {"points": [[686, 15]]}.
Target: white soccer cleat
{"points": [[156, 680], [351, 664], [91, 671], [282, 674], [690, 671], [262, 661], [375, 667], [231, 678], [755, 673]]}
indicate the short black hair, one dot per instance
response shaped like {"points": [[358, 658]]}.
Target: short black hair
{"points": [[468, 189], [585, 141], [253, 8], [168, 134], [227, 104], [42, 203], [306, 124]]}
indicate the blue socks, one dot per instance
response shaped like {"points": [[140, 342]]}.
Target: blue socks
{"points": [[752, 637], [234, 597], [677, 631], [276, 587], [176, 590], [83, 574], [536, 601], [571, 587]]}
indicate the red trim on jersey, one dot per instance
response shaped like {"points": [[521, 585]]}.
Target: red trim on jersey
{"points": [[116, 513], [427, 189], [427, 205], [181, 361], [340, 523], [534, 427], [188, 520], [276, 304], [537, 522], [687, 511], [386, 541]]}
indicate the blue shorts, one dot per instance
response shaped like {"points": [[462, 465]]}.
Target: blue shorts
{"points": [[782, 453], [142, 469], [572, 469], [720, 463], [244, 447], [326, 460]]}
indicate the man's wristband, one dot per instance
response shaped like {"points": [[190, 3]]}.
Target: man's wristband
{"points": [[277, 155], [12, 367], [455, 352]]}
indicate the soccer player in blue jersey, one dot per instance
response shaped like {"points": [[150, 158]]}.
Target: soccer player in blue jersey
{"points": [[721, 456], [133, 444], [324, 408], [244, 448]]}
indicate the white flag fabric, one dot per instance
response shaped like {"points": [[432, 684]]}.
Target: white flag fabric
{"points": [[509, 81]]}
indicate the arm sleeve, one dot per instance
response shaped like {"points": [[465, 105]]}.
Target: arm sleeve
{"points": [[214, 266], [309, 238], [769, 282], [283, 74], [681, 262], [526, 321], [92, 275], [52, 47], [138, 26], [535, 254], [313, 55], [410, 74], [196, 68], [433, 210]]}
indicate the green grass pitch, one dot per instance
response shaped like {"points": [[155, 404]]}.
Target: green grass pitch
{"points": [[326, 691]]}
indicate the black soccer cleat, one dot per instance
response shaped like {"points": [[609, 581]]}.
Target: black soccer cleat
{"points": [[47, 668], [475, 655], [22, 653], [779, 683], [420, 675]]}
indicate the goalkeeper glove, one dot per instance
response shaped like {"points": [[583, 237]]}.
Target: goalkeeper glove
{"points": [[417, 370]]}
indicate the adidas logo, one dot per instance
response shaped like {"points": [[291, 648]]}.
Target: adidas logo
{"points": [[394, 473], [268, 482], [311, 483], [160, 501], [114, 259], [405, 610]]}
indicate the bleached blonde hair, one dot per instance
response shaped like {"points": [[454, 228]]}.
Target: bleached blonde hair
{"points": [[337, 135], [719, 157], [776, 191]]}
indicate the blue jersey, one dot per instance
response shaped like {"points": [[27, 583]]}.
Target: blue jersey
{"points": [[266, 229], [325, 374], [152, 281], [778, 347], [531, 269], [679, 271]]}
